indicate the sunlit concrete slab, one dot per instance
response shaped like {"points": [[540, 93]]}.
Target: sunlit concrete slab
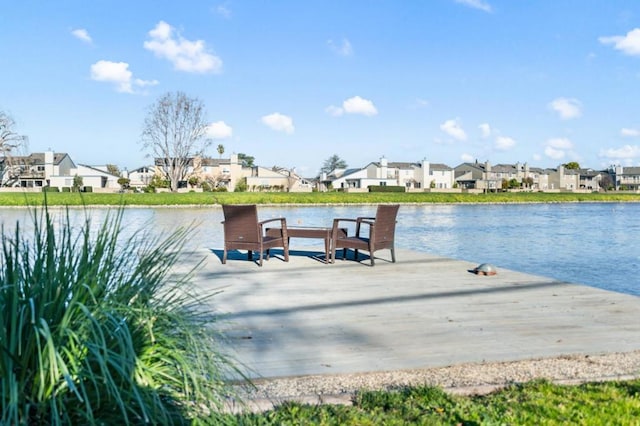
{"points": [[305, 317]]}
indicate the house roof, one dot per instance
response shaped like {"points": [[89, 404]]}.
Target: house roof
{"points": [[439, 166], [143, 169], [399, 165], [504, 168], [97, 170], [630, 171], [37, 158], [588, 172], [476, 165]]}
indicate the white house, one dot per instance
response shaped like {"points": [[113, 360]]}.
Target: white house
{"points": [[55, 169], [140, 177], [373, 174], [433, 175]]}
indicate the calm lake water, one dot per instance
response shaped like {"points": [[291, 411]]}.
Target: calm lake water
{"points": [[595, 244]]}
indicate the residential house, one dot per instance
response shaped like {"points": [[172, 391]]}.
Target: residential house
{"points": [[140, 177], [477, 176], [35, 170], [626, 178], [432, 176], [229, 172], [562, 179], [589, 179], [403, 172], [217, 173], [275, 179], [373, 174], [96, 177], [54, 169]]}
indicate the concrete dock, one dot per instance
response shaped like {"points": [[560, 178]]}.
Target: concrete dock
{"points": [[305, 317]]}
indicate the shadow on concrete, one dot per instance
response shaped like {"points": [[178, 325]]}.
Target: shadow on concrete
{"points": [[394, 299]]}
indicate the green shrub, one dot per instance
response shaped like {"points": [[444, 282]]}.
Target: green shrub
{"points": [[66, 189], [206, 187], [50, 189], [95, 330], [386, 188], [241, 185], [87, 189]]}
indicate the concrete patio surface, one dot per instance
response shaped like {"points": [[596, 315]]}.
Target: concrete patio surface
{"points": [[305, 317]]}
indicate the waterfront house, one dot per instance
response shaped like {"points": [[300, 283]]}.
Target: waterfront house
{"points": [[359, 180], [433, 176], [52, 169], [627, 178]]}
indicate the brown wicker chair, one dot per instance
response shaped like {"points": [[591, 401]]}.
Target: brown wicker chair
{"points": [[382, 229], [243, 231]]}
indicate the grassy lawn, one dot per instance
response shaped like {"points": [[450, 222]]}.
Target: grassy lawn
{"points": [[534, 403], [216, 198]]}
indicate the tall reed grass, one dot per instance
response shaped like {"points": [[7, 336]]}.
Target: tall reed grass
{"points": [[96, 328]]}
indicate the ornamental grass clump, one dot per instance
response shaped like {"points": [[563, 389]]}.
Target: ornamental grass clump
{"points": [[96, 328]]}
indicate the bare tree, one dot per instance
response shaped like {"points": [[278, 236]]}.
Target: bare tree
{"points": [[174, 131], [10, 144], [113, 169]]}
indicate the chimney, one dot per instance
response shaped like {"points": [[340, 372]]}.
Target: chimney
{"points": [[383, 167]]}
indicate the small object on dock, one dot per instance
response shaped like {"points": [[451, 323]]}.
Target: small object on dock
{"points": [[485, 269]]}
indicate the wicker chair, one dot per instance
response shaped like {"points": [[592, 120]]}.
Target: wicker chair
{"points": [[243, 231], [382, 229]]}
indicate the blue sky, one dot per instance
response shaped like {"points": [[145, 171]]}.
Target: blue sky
{"points": [[294, 82]]}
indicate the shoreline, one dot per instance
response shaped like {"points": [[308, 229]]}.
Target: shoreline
{"points": [[219, 206], [462, 379]]}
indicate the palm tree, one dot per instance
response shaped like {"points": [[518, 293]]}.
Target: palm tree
{"points": [[220, 150]]}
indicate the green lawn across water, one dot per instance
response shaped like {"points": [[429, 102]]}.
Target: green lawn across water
{"points": [[216, 198]]}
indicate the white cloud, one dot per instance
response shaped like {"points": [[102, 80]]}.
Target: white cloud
{"points": [[185, 55], [343, 48], [622, 153], [219, 130], [453, 129], [628, 44], [556, 148], [630, 132], [566, 108], [555, 154], [485, 129], [143, 83], [358, 105], [118, 73], [279, 122], [224, 11], [334, 110], [82, 34], [354, 105], [537, 157], [504, 143], [476, 4], [467, 158], [420, 103], [560, 143]]}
